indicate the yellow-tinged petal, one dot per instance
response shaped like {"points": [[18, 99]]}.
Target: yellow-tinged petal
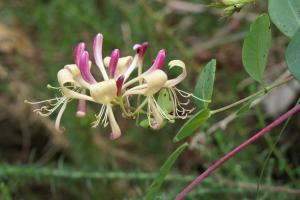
{"points": [[155, 81], [122, 66], [58, 118], [104, 92], [158, 118], [74, 69], [181, 77], [116, 131], [122, 62], [67, 83]]}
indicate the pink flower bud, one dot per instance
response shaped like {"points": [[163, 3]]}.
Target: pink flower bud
{"points": [[85, 68], [159, 61], [78, 51], [141, 49], [113, 62]]}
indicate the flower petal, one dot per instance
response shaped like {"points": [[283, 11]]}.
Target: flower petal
{"points": [[58, 118], [85, 68], [158, 119], [104, 92], [113, 62], [120, 82], [132, 67], [158, 62], [97, 49], [79, 49], [155, 81], [181, 77], [141, 49], [67, 83], [116, 131]]}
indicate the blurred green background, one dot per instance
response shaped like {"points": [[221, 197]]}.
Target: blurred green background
{"points": [[37, 38]]}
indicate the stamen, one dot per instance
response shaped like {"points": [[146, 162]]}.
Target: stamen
{"points": [[162, 112], [48, 112], [186, 94], [39, 102], [104, 120], [99, 116], [158, 119]]}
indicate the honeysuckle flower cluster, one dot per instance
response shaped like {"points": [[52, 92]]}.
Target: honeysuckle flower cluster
{"points": [[118, 88]]}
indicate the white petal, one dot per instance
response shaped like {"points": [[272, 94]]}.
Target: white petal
{"points": [[104, 92], [132, 67], [65, 79], [181, 77], [116, 131], [156, 115], [58, 118], [155, 81]]}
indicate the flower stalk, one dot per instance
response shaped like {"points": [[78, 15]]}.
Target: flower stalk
{"points": [[241, 147]]}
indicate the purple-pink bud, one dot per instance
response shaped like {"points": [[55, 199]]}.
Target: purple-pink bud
{"points": [[159, 60], [78, 51], [119, 83], [113, 63], [85, 68], [141, 49]]}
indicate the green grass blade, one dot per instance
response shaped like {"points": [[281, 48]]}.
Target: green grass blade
{"points": [[163, 171]]}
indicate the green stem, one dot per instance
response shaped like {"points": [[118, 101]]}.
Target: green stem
{"points": [[140, 107], [260, 92]]}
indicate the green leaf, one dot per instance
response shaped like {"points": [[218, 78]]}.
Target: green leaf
{"points": [[164, 101], [293, 55], [163, 171], [285, 14], [256, 47], [205, 84], [192, 124]]}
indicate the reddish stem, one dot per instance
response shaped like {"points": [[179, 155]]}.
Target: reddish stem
{"points": [[202, 176]]}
